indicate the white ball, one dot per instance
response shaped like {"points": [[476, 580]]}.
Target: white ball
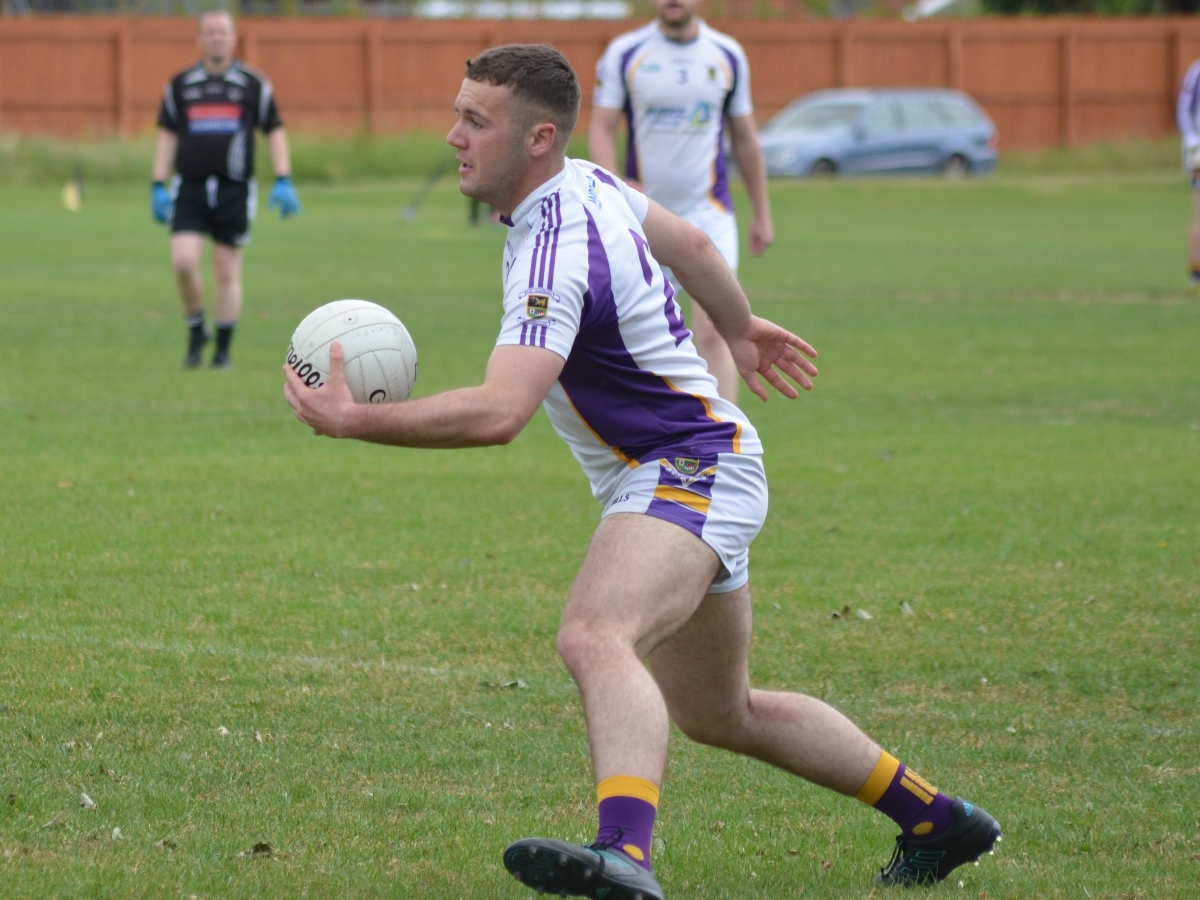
{"points": [[381, 359]]}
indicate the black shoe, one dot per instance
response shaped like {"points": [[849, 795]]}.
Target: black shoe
{"points": [[971, 834], [197, 338], [221, 361], [600, 871]]}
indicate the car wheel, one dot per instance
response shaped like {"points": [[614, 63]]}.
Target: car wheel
{"points": [[823, 168], [956, 166]]}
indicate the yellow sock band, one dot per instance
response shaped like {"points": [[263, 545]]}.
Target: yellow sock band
{"points": [[627, 786], [879, 779]]}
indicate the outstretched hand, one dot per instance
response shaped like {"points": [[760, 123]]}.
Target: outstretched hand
{"points": [[323, 409], [772, 352]]}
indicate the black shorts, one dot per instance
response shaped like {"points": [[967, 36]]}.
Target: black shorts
{"points": [[215, 206]]}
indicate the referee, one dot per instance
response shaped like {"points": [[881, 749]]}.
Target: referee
{"points": [[206, 133]]}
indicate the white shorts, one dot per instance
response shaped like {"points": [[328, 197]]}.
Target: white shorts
{"points": [[721, 498], [722, 228]]}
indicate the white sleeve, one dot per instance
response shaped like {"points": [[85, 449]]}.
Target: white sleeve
{"points": [[543, 292], [610, 80], [638, 202], [740, 102], [1185, 109]]}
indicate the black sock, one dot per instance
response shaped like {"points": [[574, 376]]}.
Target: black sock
{"points": [[224, 337], [195, 325]]}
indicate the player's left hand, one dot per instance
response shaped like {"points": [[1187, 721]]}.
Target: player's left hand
{"points": [[772, 352], [323, 409], [762, 236], [285, 197]]}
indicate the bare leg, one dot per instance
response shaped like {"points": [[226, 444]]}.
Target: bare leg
{"points": [[227, 265], [186, 248], [702, 670], [640, 582], [715, 351]]}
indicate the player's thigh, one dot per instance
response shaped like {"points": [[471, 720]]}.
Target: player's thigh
{"points": [[703, 669], [233, 213], [641, 580], [1196, 197]]}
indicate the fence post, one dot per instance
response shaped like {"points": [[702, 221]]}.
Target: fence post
{"points": [[1067, 90], [373, 61], [954, 58], [122, 97], [842, 75]]}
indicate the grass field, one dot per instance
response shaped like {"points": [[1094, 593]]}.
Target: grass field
{"points": [[228, 633]]}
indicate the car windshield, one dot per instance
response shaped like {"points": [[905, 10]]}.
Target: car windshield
{"points": [[818, 116]]}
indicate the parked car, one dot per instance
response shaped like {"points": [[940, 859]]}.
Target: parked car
{"points": [[849, 131]]}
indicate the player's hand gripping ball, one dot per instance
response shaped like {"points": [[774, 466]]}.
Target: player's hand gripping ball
{"points": [[380, 357]]}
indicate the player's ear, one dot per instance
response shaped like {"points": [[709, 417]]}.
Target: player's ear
{"points": [[541, 138]]}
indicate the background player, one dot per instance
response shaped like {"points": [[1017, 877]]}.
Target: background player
{"points": [[590, 331], [206, 133], [679, 85], [1187, 111]]}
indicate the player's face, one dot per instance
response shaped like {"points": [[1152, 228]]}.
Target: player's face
{"points": [[489, 149], [676, 13], [217, 39]]}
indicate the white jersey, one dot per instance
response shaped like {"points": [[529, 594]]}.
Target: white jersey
{"points": [[676, 97], [579, 279], [1187, 110]]}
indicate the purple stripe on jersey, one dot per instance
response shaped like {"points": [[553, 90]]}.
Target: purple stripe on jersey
{"points": [[629, 408], [720, 188], [524, 333], [545, 245], [642, 247], [631, 165], [557, 216], [542, 330], [604, 176]]}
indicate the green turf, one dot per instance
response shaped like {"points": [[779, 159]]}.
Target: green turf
{"points": [[1005, 437]]}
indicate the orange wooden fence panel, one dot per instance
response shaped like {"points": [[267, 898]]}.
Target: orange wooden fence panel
{"points": [[1045, 82]]}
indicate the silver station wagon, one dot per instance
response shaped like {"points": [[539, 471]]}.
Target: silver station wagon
{"points": [[893, 131]]}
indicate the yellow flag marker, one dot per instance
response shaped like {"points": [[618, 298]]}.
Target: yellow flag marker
{"points": [[72, 195]]}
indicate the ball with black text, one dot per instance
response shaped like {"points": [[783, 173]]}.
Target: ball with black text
{"points": [[380, 357]]}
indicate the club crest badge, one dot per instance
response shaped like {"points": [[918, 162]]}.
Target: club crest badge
{"points": [[537, 306], [686, 466]]}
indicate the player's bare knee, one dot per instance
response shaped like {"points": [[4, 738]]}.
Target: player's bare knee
{"points": [[578, 646]]}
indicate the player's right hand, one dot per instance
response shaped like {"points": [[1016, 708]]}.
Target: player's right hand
{"points": [[322, 409], [160, 202]]}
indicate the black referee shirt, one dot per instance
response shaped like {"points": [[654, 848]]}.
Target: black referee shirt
{"points": [[215, 117]]}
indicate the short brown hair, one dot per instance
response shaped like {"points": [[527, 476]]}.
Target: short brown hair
{"points": [[540, 78]]}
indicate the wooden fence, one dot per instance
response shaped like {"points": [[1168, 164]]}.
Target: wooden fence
{"points": [[1045, 82]]}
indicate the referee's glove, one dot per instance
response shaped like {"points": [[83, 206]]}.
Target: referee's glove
{"points": [[285, 197], [160, 202]]}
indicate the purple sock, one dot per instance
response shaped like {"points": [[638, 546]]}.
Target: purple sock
{"points": [[628, 823], [915, 805]]}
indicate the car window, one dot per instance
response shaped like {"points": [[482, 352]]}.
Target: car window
{"points": [[882, 119], [815, 117], [920, 115], [956, 113]]}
